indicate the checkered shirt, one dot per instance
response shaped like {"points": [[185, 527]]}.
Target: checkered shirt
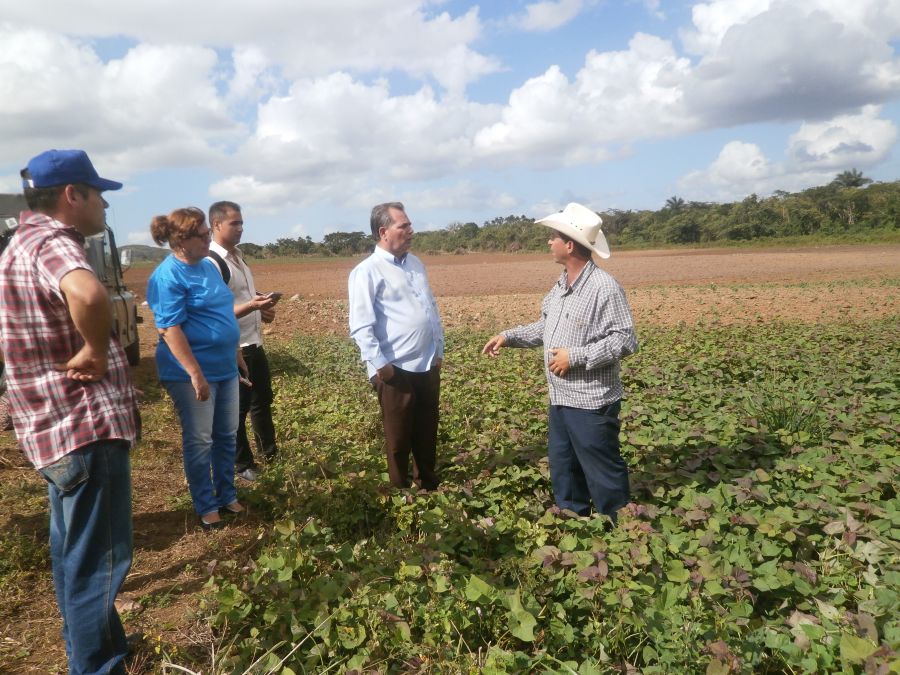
{"points": [[592, 320], [54, 415]]}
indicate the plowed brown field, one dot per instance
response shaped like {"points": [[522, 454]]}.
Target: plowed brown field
{"points": [[492, 291]]}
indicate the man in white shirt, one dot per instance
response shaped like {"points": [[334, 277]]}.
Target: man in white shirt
{"points": [[251, 309], [395, 322]]}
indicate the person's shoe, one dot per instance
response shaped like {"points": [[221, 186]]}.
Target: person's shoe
{"points": [[248, 475], [233, 509], [214, 525]]}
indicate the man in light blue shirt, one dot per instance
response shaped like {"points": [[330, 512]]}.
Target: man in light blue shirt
{"points": [[395, 322]]}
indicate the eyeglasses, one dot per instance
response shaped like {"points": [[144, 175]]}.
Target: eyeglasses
{"points": [[206, 234]]}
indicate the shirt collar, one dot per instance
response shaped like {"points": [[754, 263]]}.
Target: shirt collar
{"points": [[225, 253], [34, 218], [387, 255], [579, 280]]}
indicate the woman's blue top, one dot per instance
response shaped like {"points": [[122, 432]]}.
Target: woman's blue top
{"points": [[196, 298]]}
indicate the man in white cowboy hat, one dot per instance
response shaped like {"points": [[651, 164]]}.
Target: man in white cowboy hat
{"points": [[587, 328]]}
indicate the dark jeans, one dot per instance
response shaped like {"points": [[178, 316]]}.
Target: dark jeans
{"points": [[409, 411], [257, 400], [585, 463], [90, 551]]}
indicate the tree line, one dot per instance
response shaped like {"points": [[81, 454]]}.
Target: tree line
{"points": [[850, 204]]}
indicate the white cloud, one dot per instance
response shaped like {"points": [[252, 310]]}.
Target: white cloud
{"points": [[465, 195], [780, 60], [305, 39], [815, 154], [713, 19], [547, 15], [326, 137], [847, 141], [154, 106], [616, 97], [652, 7]]}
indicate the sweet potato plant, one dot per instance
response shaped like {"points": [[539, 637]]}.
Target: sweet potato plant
{"points": [[764, 533]]}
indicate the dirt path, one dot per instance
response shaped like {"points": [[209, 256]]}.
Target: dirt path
{"points": [[173, 558]]}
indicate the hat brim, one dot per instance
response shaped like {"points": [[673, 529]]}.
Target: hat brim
{"points": [[104, 184], [599, 248]]}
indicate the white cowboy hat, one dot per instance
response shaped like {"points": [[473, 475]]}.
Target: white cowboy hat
{"points": [[581, 224]]}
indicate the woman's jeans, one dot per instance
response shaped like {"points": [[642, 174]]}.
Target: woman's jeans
{"points": [[208, 432], [90, 551]]}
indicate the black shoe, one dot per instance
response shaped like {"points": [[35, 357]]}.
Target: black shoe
{"points": [[218, 525]]}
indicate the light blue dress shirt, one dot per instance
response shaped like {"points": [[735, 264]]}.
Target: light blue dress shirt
{"points": [[393, 314]]}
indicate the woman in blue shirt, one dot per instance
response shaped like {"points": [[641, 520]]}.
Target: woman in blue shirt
{"points": [[198, 358]]}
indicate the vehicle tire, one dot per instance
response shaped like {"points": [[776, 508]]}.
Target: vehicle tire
{"points": [[133, 353]]}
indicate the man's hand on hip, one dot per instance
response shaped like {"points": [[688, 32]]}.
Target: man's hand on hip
{"points": [[86, 366], [386, 372]]}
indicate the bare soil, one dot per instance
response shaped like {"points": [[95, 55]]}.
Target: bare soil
{"points": [[485, 292]]}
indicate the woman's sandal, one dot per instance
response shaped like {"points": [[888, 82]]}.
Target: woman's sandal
{"points": [[217, 525], [229, 510]]}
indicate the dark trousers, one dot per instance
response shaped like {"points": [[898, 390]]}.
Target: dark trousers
{"points": [[409, 411], [585, 463], [257, 400]]}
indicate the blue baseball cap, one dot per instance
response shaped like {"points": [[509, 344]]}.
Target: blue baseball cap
{"points": [[65, 167]]}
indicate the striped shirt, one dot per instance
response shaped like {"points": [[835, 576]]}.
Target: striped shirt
{"points": [[52, 414], [591, 319]]}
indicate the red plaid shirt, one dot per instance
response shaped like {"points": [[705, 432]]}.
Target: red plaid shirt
{"points": [[54, 415]]}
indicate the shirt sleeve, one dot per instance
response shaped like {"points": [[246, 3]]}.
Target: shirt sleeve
{"points": [[60, 255], [361, 287], [613, 338], [168, 300], [529, 335]]}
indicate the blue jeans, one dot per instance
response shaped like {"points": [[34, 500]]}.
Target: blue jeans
{"points": [[585, 463], [208, 432], [90, 551]]}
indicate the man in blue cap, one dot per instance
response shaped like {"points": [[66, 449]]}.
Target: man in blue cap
{"points": [[71, 398]]}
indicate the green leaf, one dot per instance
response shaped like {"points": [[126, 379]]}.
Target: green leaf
{"points": [[478, 588], [676, 571], [521, 624], [856, 649]]}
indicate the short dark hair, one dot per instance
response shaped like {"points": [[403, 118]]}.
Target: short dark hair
{"points": [[219, 209], [45, 199], [381, 217], [583, 251]]}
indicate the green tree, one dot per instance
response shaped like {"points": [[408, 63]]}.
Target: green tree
{"points": [[852, 178], [675, 203]]}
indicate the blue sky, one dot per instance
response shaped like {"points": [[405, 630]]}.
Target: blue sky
{"points": [[309, 113]]}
